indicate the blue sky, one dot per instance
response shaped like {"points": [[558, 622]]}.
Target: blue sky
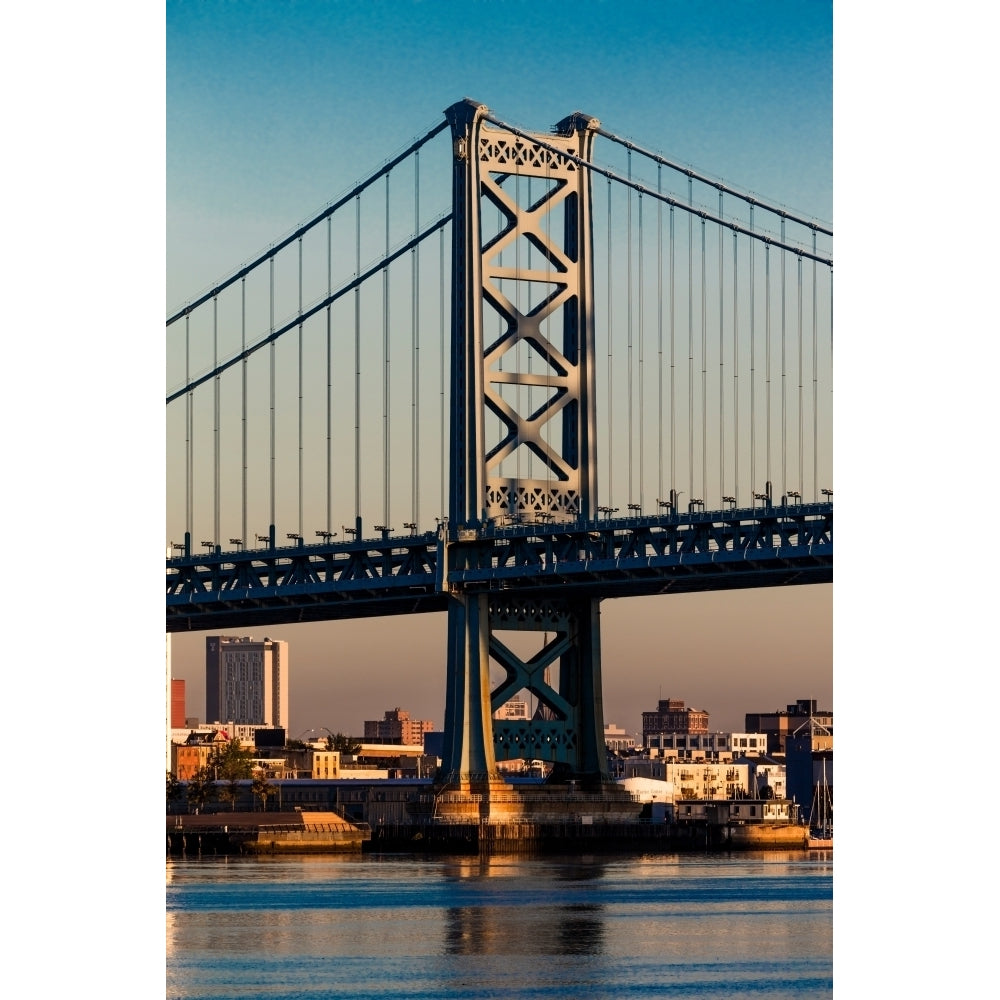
{"points": [[273, 109]]}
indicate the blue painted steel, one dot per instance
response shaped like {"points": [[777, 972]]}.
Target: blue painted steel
{"points": [[703, 551]]}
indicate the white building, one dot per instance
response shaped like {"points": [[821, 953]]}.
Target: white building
{"points": [[516, 708], [246, 682], [698, 746]]}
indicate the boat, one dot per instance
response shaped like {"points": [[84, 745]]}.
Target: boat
{"points": [[821, 816]]}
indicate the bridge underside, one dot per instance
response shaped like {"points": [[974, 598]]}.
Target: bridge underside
{"points": [[278, 606]]}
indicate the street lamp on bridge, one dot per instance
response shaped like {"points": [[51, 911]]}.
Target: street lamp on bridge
{"points": [[607, 511], [348, 531], [794, 495], [326, 535], [636, 508], [238, 542], [731, 501], [209, 545], [293, 536], [263, 538], [412, 526], [827, 493], [663, 503]]}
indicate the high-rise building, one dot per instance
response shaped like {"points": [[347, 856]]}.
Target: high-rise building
{"points": [[177, 716], [672, 717], [780, 725], [397, 727], [246, 682]]}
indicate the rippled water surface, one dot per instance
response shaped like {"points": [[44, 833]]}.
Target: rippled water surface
{"points": [[568, 928]]}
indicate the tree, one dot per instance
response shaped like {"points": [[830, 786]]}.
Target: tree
{"points": [[230, 762], [200, 789], [262, 788], [338, 741], [174, 789]]}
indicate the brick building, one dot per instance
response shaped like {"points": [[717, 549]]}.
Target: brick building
{"points": [[672, 717], [397, 727]]}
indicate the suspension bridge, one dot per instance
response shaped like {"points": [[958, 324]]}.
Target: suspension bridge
{"points": [[575, 377]]}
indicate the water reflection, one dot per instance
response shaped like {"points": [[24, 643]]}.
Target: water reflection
{"points": [[518, 907]]}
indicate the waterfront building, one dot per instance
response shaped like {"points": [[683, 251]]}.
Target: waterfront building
{"points": [[246, 682], [617, 740], [397, 727], [700, 746], [779, 724], [671, 716]]}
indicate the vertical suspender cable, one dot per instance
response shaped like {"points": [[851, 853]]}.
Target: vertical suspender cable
{"points": [[767, 358], [736, 369], [815, 353], [628, 322], [611, 440], [673, 394], [442, 458], [243, 434], [301, 466], [784, 436], [704, 371], [752, 246], [830, 411], [722, 362], [272, 401], [690, 310], [659, 334], [415, 362], [385, 369], [216, 444], [329, 376], [357, 361], [189, 432], [641, 409], [801, 478]]}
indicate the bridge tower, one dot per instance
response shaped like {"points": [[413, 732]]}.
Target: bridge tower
{"points": [[522, 333]]}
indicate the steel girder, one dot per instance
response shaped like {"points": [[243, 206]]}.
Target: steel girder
{"points": [[720, 550]]}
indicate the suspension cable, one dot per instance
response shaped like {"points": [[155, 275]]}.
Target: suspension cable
{"points": [[354, 193], [750, 199], [732, 226]]}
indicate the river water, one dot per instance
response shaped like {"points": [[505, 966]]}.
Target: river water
{"points": [[689, 925]]}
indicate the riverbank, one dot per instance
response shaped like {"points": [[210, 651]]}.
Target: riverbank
{"points": [[303, 832]]}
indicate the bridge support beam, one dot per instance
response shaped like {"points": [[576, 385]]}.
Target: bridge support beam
{"points": [[532, 270]]}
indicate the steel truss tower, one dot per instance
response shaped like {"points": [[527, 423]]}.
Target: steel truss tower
{"points": [[523, 439]]}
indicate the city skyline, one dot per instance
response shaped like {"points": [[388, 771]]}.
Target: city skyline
{"points": [[755, 110]]}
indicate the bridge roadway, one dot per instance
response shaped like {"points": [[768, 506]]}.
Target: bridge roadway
{"points": [[770, 545]]}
